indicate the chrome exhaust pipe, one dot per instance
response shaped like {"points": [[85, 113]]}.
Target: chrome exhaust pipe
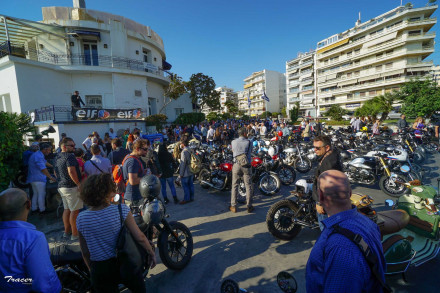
{"points": [[209, 184], [306, 224]]}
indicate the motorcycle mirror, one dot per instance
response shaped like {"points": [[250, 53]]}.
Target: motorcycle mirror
{"points": [[389, 202], [405, 168], [287, 282]]}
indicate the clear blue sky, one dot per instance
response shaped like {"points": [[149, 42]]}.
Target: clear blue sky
{"points": [[230, 39]]}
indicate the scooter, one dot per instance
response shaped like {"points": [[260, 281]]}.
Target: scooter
{"points": [[285, 281], [411, 233]]}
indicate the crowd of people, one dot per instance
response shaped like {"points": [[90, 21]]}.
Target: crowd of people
{"points": [[90, 218]]}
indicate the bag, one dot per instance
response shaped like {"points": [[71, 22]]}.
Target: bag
{"points": [[196, 163], [132, 258], [242, 160], [118, 175]]}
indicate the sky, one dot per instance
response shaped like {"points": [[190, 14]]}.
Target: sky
{"points": [[230, 39]]}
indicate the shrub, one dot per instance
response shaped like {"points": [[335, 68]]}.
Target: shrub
{"points": [[190, 118], [157, 120]]}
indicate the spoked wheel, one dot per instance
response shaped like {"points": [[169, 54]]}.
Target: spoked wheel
{"points": [[241, 194], [229, 286], [175, 255], [269, 184], [279, 220], [287, 174], [432, 147], [303, 165], [392, 188], [204, 176]]}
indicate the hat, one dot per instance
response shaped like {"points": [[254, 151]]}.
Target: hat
{"points": [[35, 146]]}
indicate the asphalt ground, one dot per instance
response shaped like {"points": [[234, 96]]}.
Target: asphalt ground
{"points": [[239, 246]]}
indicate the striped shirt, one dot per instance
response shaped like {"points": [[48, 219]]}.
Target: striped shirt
{"points": [[101, 229]]}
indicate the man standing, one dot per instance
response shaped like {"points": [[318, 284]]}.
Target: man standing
{"points": [[87, 143], [97, 164], [112, 134], [185, 174], [336, 263], [76, 103], [25, 253], [133, 170], [356, 124], [402, 124], [329, 159], [118, 153], [263, 130], [318, 127], [68, 172], [210, 135], [241, 151], [37, 176]]}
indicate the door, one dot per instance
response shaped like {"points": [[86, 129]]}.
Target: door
{"points": [[91, 54]]}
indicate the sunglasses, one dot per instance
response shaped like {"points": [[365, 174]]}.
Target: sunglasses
{"points": [[318, 148]]}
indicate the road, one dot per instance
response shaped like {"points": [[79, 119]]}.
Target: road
{"points": [[239, 246]]}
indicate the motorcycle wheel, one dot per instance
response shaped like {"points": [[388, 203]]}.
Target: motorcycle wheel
{"points": [[20, 180], [269, 184], [173, 255], [397, 190], [432, 147], [229, 286], [279, 220], [204, 175], [74, 282], [241, 194], [287, 174], [418, 157], [304, 166]]}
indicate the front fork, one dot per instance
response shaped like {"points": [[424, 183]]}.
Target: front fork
{"points": [[387, 171]]}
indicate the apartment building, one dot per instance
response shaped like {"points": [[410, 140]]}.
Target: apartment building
{"points": [[265, 81], [300, 83], [435, 72], [226, 94], [374, 57]]}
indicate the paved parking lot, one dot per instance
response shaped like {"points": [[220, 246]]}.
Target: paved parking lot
{"points": [[239, 246]]}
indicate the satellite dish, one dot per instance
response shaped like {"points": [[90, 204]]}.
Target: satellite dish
{"points": [[199, 101]]}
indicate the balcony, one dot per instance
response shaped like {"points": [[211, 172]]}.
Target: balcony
{"points": [[59, 59]]}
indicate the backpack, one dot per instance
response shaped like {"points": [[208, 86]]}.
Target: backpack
{"points": [[196, 163], [118, 175]]}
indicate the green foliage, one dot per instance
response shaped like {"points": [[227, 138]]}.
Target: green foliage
{"points": [[13, 128], [189, 118], [232, 108], [294, 112], [202, 87], [213, 116], [283, 112], [225, 116], [246, 117], [275, 114], [266, 115], [420, 98], [380, 104], [174, 90], [336, 112], [157, 120]]}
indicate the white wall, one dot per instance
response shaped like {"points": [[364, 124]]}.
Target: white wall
{"points": [[124, 86], [184, 101], [8, 84]]}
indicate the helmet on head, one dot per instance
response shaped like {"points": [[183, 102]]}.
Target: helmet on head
{"points": [[280, 133], [149, 186], [255, 143]]}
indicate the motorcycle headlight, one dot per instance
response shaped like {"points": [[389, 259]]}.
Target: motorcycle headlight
{"points": [[153, 212]]}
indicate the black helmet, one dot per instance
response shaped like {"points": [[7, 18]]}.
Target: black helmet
{"points": [[149, 186]]}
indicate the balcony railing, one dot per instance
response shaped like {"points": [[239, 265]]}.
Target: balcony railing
{"points": [[79, 59]]}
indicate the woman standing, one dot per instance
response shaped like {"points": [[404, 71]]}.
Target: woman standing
{"points": [[167, 164], [107, 144], [99, 228], [130, 140], [306, 132], [418, 127], [376, 127]]}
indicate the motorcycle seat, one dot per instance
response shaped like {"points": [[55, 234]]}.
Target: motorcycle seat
{"points": [[65, 254], [392, 221]]}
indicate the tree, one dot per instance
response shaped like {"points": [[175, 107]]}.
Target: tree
{"points": [[202, 90], [275, 114], [232, 108], [379, 104], [294, 112], [190, 118], [174, 90], [420, 98], [266, 114], [13, 127], [335, 112], [283, 112], [157, 120], [213, 116]]}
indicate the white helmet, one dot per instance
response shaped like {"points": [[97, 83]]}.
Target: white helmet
{"points": [[302, 186], [271, 151]]}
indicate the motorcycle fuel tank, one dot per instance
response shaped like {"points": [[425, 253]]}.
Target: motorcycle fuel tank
{"points": [[363, 162], [256, 161], [226, 167]]}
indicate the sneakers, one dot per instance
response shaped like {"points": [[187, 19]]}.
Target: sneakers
{"points": [[166, 200], [176, 200], [232, 209], [250, 209], [66, 235], [74, 238]]}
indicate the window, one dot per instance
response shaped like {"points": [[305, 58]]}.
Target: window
{"points": [[378, 68], [178, 111], [363, 94], [412, 19], [357, 51], [389, 65], [349, 96], [94, 101], [357, 62], [378, 56], [147, 54], [372, 93], [152, 106], [5, 103], [356, 73], [349, 54], [349, 75], [414, 33], [390, 52]]}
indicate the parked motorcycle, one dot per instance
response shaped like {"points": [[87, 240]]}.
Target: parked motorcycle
{"points": [[286, 217], [174, 241], [268, 181]]}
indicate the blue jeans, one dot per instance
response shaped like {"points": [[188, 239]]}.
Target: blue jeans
{"points": [[163, 183], [188, 187]]}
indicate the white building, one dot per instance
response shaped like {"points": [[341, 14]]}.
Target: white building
{"points": [[116, 64], [266, 81], [435, 72], [300, 83], [374, 57], [226, 94]]}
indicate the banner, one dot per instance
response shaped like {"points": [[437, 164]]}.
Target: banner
{"points": [[103, 114]]}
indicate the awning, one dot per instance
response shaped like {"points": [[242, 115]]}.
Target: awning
{"points": [[292, 71], [85, 33], [293, 95], [21, 30], [393, 72], [347, 82], [307, 92], [248, 85], [306, 75], [365, 78], [337, 44], [322, 79], [166, 65], [331, 76]]}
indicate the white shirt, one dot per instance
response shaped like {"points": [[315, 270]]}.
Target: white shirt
{"points": [[210, 133], [87, 143], [112, 135]]}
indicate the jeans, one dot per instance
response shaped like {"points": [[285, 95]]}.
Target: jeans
{"points": [[39, 197], [321, 218], [163, 183], [188, 187]]}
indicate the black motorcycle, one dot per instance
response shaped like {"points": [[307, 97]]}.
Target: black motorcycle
{"points": [[174, 241]]}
